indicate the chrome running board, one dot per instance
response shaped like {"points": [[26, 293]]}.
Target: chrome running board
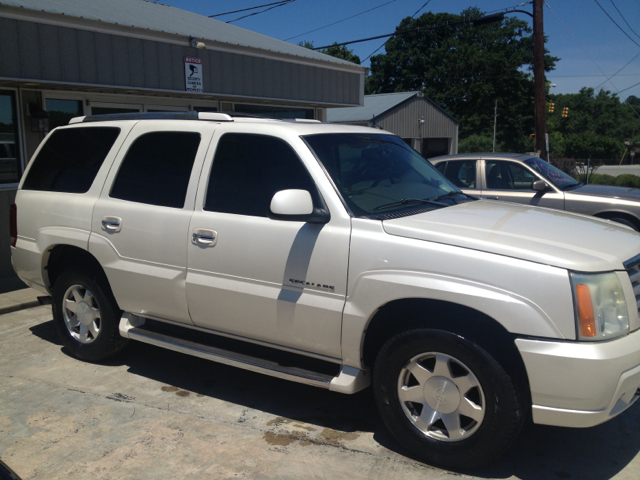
{"points": [[348, 380]]}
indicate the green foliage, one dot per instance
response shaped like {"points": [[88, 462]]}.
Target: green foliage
{"points": [[335, 51], [596, 125], [477, 143], [624, 180], [627, 180], [465, 70]]}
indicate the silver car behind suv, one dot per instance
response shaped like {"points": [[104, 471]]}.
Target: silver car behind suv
{"points": [[527, 179]]}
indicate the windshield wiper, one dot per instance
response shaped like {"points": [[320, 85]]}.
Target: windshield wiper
{"points": [[405, 201], [449, 195], [571, 185]]}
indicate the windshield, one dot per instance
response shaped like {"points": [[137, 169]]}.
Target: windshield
{"points": [[551, 173], [378, 173]]}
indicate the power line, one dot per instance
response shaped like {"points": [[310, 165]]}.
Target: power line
{"points": [[412, 16], [587, 53], [340, 21], [624, 19], [280, 4], [616, 23], [247, 9], [623, 67], [629, 88]]}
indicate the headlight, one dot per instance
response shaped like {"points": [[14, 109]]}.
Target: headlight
{"points": [[601, 310]]}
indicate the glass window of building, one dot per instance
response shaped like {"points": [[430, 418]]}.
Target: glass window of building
{"points": [[61, 111], [10, 169]]}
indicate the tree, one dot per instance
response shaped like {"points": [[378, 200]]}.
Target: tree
{"points": [[596, 126], [465, 70], [335, 51]]}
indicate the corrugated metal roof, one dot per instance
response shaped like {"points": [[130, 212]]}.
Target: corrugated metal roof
{"points": [[164, 18], [374, 105]]}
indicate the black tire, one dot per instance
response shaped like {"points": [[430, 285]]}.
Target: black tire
{"points": [[107, 341], [624, 221], [479, 441]]}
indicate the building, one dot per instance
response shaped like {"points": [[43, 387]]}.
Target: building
{"points": [[65, 58], [417, 119]]}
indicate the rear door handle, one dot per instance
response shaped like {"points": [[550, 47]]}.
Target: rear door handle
{"points": [[111, 224], [204, 237]]}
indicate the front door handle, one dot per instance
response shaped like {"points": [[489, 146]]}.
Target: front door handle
{"points": [[111, 224], [204, 237]]}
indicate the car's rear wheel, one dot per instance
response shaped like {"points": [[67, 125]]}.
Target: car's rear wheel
{"points": [[446, 399], [86, 316]]}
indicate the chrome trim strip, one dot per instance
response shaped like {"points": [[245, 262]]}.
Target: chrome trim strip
{"points": [[629, 264], [254, 367]]}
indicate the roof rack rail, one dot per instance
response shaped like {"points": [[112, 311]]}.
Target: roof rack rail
{"points": [[210, 116]]}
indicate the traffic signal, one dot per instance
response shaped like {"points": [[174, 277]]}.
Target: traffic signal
{"points": [[565, 112], [551, 107], [533, 136]]}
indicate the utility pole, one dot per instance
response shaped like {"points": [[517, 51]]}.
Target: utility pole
{"points": [[495, 120], [539, 86]]}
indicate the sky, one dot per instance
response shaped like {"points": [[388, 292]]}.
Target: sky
{"points": [[588, 43]]}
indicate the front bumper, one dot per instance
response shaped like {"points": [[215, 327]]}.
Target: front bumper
{"points": [[581, 384]]}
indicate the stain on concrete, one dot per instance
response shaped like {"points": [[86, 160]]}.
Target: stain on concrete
{"points": [[183, 393], [278, 440], [121, 397], [169, 389], [304, 427], [199, 395], [279, 421], [335, 438]]}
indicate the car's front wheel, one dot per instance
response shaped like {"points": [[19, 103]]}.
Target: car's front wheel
{"points": [[86, 316], [446, 399]]}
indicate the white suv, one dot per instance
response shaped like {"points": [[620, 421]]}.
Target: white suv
{"points": [[337, 257]]}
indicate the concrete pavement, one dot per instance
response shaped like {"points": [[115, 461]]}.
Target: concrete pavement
{"points": [[152, 413]]}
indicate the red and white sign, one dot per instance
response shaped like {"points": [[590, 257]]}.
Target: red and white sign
{"points": [[193, 74]]}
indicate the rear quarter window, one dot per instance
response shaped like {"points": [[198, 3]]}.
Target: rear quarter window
{"points": [[70, 159]]}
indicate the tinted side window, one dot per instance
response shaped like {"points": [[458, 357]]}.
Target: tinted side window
{"points": [[70, 160], [157, 168], [248, 170], [508, 176], [462, 173], [441, 167]]}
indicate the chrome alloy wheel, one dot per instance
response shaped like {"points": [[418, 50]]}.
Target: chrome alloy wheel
{"points": [[81, 314], [441, 397]]}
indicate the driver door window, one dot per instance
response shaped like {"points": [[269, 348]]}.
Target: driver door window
{"points": [[512, 182], [462, 173]]}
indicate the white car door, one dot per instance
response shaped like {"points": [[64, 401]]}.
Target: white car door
{"points": [[140, 225], [276, 281]]}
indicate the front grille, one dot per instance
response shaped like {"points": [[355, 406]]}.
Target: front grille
{"points": [[633, 269]]}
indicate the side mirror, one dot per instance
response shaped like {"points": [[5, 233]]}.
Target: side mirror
{"points": [[296, 206], [539, 185]]}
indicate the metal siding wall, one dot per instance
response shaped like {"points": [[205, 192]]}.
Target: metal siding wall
{"points": [[121, 74], [165, 67], [37, 51], [104, 59], [136, 62], [50, 42], [403, 121], [9, 51], [87, 57], [30, 64], [177, 65]]}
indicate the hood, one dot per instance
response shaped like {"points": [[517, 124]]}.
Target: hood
{"points": [[624, 193], [550, 237]]}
